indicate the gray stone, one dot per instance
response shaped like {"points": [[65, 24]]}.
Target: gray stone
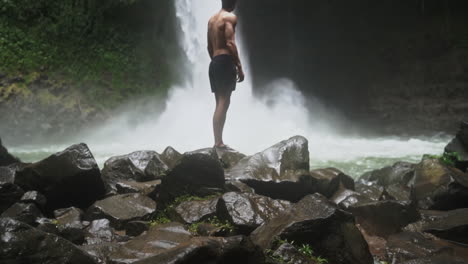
{"points": [[121, 209], [195, 211], [9, 194], [139, 166], [145, 188], [34, 197], [99, 231], [68, 215], [247, 211], [170, 156]]}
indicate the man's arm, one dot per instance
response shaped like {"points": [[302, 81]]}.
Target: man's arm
{"points": [[210, 47], [229, 32]]}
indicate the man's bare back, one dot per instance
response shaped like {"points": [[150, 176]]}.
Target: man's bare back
{"points": [[221, 38]]}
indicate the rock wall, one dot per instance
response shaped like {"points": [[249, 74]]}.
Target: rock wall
{"points": [[401, 62]]}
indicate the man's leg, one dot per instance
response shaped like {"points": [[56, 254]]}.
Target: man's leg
{"points": [[223, 99]]}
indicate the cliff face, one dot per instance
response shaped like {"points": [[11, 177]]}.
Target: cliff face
{"points": [[400, 63]]}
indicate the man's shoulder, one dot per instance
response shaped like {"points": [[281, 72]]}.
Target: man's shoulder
{"points": [[230, 17]]}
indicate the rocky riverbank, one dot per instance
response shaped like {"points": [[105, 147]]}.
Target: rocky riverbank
{"points": [[220, 206]]}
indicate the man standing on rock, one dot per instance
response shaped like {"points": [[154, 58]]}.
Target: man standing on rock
{"points": [[225, 68]]}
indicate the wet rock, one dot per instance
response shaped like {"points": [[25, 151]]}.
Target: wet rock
{"points": [[68, 215], [145, 188], [330, 180], [407, 246], [73, 232], [438, 187], [139, 166], [48, 225], [26, 213], [460, 145], [437, 260], [384, 218], [229, 157], [155, 241], [195, 174], [121, 209], [369, 189], [5, 157], [398, 173], [195, 211], [99, 231], [319, 223], [67, 178], [237, 186], [21, 243], [287, 253], [100, 252], [231, 250], [277, 171], [397, 192], [448, 225], [247, 211], [9, 194], [170, 156], [8, 173], [35, 198], [346, 199], [135, 228]]}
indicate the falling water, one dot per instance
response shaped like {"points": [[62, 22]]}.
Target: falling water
{"points": [[253, 123]]}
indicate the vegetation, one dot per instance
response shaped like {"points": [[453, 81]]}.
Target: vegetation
{"points": [[224, 226], [305, 249], [99, 47], [449, 159]]}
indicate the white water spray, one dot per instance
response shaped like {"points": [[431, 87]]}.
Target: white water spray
{"points": [[252, 124]]}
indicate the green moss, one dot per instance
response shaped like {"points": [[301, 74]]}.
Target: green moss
{"points": [[224, 226], [305, 249]]}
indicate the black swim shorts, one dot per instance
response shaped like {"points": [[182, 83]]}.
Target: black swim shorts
{"points": [[223, 73]]}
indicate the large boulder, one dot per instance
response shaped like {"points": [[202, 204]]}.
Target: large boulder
{"points": [[5, 157], [153, 242], [398, 173], [438, 187], [213, 250], [448, 225], [139, 166], [120, 209], [317, 222], [21, 243], [247, 211], [280, 172], [67, 178], [459, 145], [196, 173]]}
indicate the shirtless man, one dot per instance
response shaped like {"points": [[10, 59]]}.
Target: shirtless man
{"points": [[225, 68]]}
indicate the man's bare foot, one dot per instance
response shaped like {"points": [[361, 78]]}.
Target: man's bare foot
{"points": [[222, 146]]}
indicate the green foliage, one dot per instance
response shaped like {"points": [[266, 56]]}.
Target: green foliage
{"points": [[86, 44], [224, 226], [448, 158], [161, 218], [304, 249]]}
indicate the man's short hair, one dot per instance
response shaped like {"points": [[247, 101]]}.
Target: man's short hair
{"points": [[229, 4]]}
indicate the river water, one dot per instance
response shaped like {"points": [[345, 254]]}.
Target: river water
{"points": [[253, 123]]}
